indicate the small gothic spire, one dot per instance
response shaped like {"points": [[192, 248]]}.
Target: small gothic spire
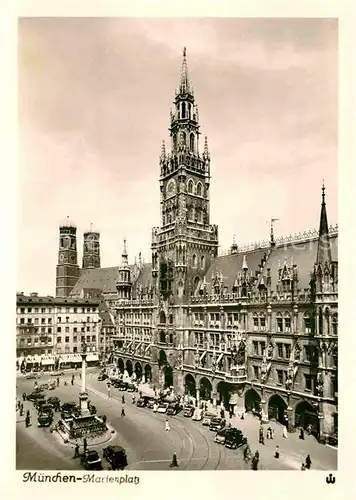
{"points": [[324, 250], [163, 150], [124, 256], [272, 242], [244, 264]]}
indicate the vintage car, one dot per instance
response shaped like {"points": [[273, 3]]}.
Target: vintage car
{"points": [[57, 373], [216, 424], [31, 375], [102, 376], [198, 414], [68, 409], [162, 407], [91, 460], [145, 401], [174, 408], [116, 456], [44, 419], [188, 411], [123, 386], [35, 395], [207, 418], [131, 388], [44, 386], [116, 383], [221, 435], [234, 438], [39, 403], [51, 386], [55, 402]]}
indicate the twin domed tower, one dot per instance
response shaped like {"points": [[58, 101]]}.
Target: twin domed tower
{"points": [[68, 271]]}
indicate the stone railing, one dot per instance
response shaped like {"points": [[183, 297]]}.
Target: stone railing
{"points": [[253, 298], [281, 240]]}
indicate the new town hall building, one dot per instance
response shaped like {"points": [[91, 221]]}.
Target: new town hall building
{"points": [[256, 328]]}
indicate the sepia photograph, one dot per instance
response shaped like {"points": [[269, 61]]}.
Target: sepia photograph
{"points": [[177, 274]]}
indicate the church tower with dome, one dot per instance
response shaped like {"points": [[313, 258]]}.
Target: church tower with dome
{"points": [[67, 270]]}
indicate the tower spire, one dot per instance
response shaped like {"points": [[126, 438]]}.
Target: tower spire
{"points": [[124, 256], [184, 86], [324, 250]]}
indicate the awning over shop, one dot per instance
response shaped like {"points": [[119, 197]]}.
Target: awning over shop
{"points": [[92, 357], [47, 361], [33, 359], [70, 358]]}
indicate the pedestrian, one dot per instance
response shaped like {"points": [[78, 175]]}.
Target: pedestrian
{"points": [[255, 460], [302, 467], [168, 428], [85, 445], [27, 421], [28, 414], [21, 410], [222, 413], [231, 414], [24, 396], [247, 453], [309, 429], [261, 439], [72, 381], [276, 455], [57, 381], [140, 393], [308, 462], [268, 433], [301, 435], [285, 432], [174, 462], [133, 399], [123, 399], [272, 433], [76, 451], [242, 417], [123, 412]]}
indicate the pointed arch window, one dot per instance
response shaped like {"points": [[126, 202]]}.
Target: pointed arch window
{"points": [[334, 323], [255, 322], [192, 142], [194, 261], [307, 323], [287, 323], [279, 321], [199, 189], [190, 186], [183, 138], [202, 262], [262, 322], [327, 320], [183, 109]]}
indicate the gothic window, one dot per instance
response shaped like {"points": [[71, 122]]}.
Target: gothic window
{"points": [[190, 186], [307, 323], [279, 320], [255, 322], [171, 319], [192, 142], [196, 283], [183, 109], [327, 320], [183, 138], [194, 261], [287, 323], [334, 323], [288, 350], [199, 189], [162, 337], [202, 261], [262, 321]]}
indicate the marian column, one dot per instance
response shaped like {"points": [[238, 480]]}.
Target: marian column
{"points": [[83, 396]]}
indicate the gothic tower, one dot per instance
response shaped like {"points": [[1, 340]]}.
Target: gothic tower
{"points": [[124, 282], [185, 244], [91, 249], [67, 271]]}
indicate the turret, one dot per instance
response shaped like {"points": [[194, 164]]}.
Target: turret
{"points": [[91, 249], [124, 282], [67, 271]]}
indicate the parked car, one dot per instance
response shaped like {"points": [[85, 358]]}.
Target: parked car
{"points": [[234, 438], [44, 386], [217, 423], [55, 402], [30, 376], [188, 411], [221, 435], [57, 373], [68, 409], [123, 386], [131, 388], [35, 395], [174, 408], [162, 407], [51, 386], [198, 414], [116, 456], [44, 419], [102, 376], [91, 460], [145, 401], [116, 383], [207, 418]]}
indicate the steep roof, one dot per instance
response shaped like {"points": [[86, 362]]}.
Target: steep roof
{"points": [[231, 265], [103, 279], [144, 277]]}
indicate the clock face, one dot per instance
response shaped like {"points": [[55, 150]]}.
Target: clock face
{"points": [[171, 187]]}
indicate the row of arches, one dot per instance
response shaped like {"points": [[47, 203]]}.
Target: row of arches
{"points": [[134, 368], [195, 189]]}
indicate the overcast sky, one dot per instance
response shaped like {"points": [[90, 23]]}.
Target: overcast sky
{"points": [[94, 101]]}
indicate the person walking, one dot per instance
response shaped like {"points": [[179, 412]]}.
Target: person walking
{"points": [[109, 392], [24, 396], [123, 399], [133, 399], [242, 417], [57, 381], [255, 460], [301, 434], [261, 438], [27, 421], [285, 432], [76, 451], [272, 433], [231, 414], [268, 433], [167, 426], [308, 462], [276, 455], [174, 462], [85, 445], [122, 412]]}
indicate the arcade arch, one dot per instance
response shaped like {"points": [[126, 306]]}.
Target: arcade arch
{"points": [[277, 409]]}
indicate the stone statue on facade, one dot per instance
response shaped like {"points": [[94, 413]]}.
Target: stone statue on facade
{"points": [[264, 370], [319, 384], [197, 358], [290, 377]]}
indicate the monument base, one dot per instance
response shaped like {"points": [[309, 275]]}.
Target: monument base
{"points": [[83, 403]]}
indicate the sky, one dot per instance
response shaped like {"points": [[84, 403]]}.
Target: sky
{"points": [[94, 101]]}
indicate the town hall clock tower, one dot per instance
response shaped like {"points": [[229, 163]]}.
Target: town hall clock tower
{"points": [[185, 243]]}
